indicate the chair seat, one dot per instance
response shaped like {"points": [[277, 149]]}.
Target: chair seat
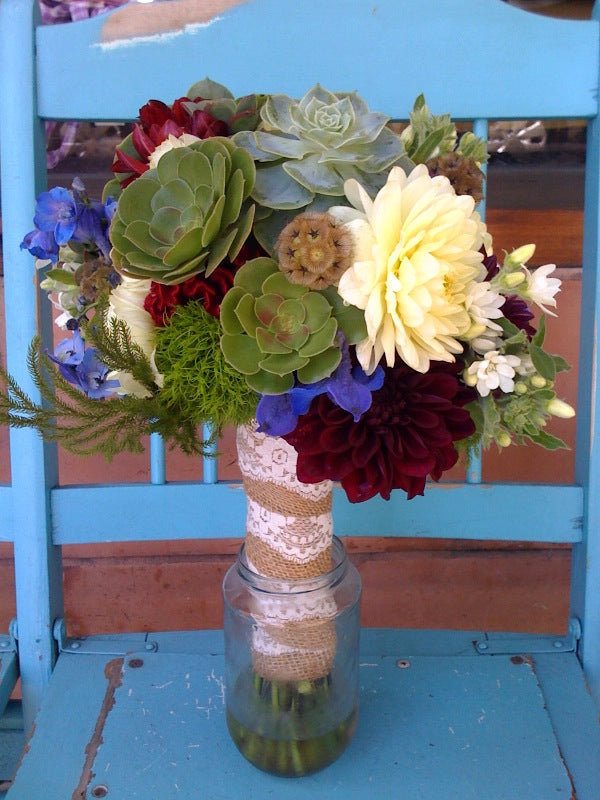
{"points": [[135, 718]]}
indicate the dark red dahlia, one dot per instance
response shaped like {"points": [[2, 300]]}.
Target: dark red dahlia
{"points": [[514, 308], [157, 122], [162, 300], [407, 434]]}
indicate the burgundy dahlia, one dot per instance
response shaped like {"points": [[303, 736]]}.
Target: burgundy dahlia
{"points": [[407, 434], [157, 122]]}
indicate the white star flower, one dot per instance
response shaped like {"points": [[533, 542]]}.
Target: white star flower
{"points": [[495, 371]]}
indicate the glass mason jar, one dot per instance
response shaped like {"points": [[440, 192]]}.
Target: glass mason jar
{"points": [[291, 664]]}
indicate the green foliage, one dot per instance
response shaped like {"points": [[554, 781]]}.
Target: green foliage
{"points": [[112, 339], [83, 425], [428, 136], [119, 423], [199, 384]]}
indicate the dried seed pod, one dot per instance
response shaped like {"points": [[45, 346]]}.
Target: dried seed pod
{"points": [[462, 172], [314, 250]]}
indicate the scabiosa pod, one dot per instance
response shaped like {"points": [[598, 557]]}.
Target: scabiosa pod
{"points": [[314, 250]]}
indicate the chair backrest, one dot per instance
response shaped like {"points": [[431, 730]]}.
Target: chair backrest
{"points": [[478, 61]]}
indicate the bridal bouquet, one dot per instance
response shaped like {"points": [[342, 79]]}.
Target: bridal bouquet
{"points": [[301, 264], [298, 269]]}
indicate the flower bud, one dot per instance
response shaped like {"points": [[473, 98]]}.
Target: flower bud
{"points": [[503, 439], [470, 378], [519, 256], [513, 279], [520, 388], [537, 381], [558, 408]]}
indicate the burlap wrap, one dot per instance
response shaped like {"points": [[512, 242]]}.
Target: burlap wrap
{"points": [[288, 536]]}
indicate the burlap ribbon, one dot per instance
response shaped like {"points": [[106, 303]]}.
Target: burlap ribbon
{"points": [[288, 537]]}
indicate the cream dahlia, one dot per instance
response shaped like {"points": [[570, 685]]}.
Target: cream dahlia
{"points": [[416, 256]]}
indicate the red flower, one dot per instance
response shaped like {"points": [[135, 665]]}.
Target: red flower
{"points": [[407, 434], [162, 300], [157, 122]]}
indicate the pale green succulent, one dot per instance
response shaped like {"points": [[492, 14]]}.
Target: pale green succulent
{"points": [[275, 330], [186, 215], [311, 146]]}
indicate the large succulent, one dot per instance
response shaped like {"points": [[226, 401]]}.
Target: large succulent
{"points": [[306, 149], [275, 330], [186, 215]]}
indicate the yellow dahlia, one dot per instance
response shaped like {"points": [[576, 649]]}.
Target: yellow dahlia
{"points": [[416, 255]]}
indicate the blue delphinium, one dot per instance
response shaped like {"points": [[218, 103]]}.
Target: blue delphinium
{"points": [[349, 387], [92, 376], [82, 367], [63, 217], [56, 212]]}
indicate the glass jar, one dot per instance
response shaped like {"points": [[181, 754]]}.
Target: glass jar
{"points": [[291, 664]]}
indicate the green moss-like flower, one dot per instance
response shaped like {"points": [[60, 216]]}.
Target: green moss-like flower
{"points": [[186, 215], [198, 383], [275, 330]]}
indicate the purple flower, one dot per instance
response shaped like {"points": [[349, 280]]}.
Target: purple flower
{"points": [[41, 244], [92, 374], [63, 216], [82, 367], [348, 387], [56, 212], [68, 354]]}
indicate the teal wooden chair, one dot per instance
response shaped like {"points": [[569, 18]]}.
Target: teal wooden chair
{"points": [[494, 716]]}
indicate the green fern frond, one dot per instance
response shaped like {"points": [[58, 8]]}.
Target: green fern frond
{"points": [[87, 426]]}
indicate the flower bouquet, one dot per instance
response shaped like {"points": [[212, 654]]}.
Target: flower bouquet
{"points": [[300, 270]]}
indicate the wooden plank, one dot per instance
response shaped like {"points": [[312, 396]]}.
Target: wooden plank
{"points": [[489, 589], [556, 78], [468, 511], [557, 233]]}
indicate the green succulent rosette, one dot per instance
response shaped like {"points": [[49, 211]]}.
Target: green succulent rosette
{"points": [[306, 149], [187, 215], [239, 113], [275, 331]]}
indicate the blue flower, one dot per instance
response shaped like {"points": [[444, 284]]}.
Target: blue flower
{"points": [[68, 354], [91, 375], [41, 244], [56, 212], [91, 228], [82, 367], [110, 206], [348, 387]]}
